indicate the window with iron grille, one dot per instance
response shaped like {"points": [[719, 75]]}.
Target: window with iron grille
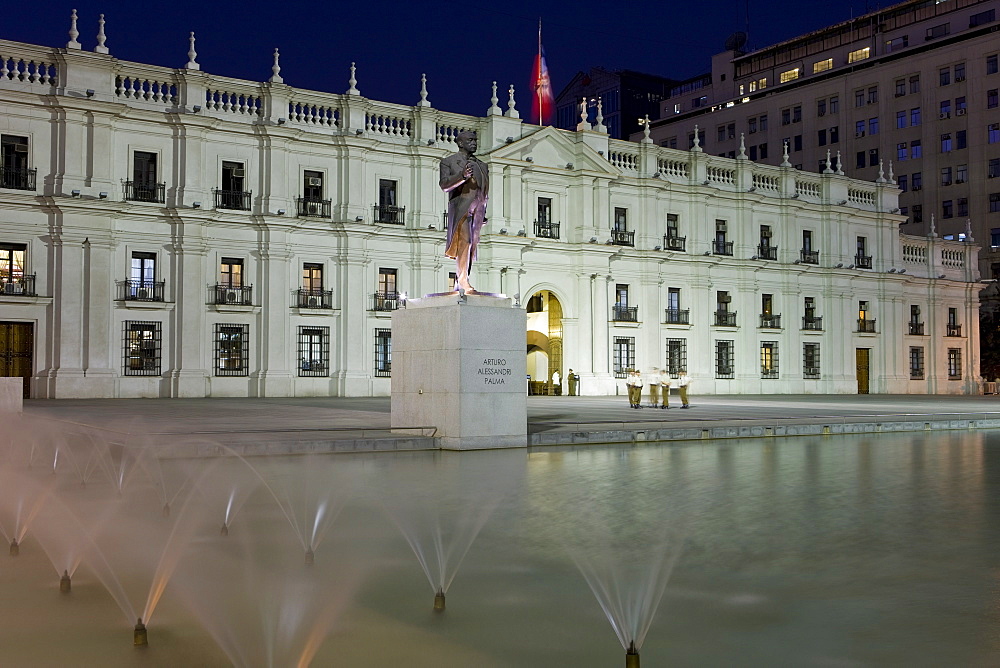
{"points": [[383, 353], [314, 351], [769, 359], [916, 363], [676, 356], [954, 364], [810, 360], [141, 348], [232, 350], [725, 359], [623, 355]]}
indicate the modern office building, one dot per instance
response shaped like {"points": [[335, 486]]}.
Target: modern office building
{"points": [[626, 97], [915, 85], [175, 233]]}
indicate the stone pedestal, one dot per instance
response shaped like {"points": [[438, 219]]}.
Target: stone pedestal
{"points": [[11, 395], [458, 364]]}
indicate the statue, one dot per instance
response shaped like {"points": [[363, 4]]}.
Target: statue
{"points": [[465, 178]]}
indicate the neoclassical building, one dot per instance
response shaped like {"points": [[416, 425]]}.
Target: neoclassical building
{"points": [[174, 233]]}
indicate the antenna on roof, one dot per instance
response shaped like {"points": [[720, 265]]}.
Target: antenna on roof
{"points": [[736, 41]]}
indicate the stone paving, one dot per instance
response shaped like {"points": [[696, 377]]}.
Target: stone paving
{"points": [[294, 425]]}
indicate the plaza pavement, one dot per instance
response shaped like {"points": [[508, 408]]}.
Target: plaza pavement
{"points": [[338, 424]]}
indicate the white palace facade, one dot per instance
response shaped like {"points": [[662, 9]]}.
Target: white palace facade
{"points": [[174, 233]]}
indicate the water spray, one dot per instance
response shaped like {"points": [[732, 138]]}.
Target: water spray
{"points": [[65, 584], [310, 557], [439, 601], [139, 638], [632, 656], [225, 530], [15, 549]]}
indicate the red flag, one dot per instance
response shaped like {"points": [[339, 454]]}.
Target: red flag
{"points": [[544, 101]]}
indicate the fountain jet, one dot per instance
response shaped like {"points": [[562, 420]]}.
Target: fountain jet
{"points": [[439, 601], [139, 638], [65, 584], [166, 510], [632, 656], [310, 557], [15, 549], [225, 530]]}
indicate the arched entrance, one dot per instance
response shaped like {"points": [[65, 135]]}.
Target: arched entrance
{"points": [[545, 344]]}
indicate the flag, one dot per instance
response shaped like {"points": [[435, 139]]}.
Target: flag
{"points": [[544, 100]]}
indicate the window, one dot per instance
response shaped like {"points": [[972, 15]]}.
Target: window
{"points": [[786, 116], [916, 149], [821, 107], [961, 174], [766, 304], [314, 351], [859, 129], [673, 226], [900, 119], [960, 105], [623, 355], [752, 126], [944, 76], [897, 43], [383, 353], [387, 282], [724, 359], [807, 240], [873, 95], [769, 359], [14, 172], [918, 180], [938, 31], [143, 270], [621, 220], [231, 272], [993, 171], [900, 87], [763, 123], [386, 192], [796, 114], [722, 132], [701, 139], [141, 348], [789, 75], [673, 299], [946, 176], [821, 137], [946, 209], [954, 364], [232, 350], [961, 140], [994, 202], [918, 213], [822, 65], [388, 211], [991, 64], [993, 133], [143, 186], [982, 18], [995, 238], [945, 108], [916, 363], [873, 126], [810, 360], [834, 134], [915, 116], [762, 150], [872, 157], [12, 258], [676, 356], [312, 277], [946, 143], [915, 84], [992, 99], [834, 105], [901, 182], [544, 210], [797, 143], [859, 98], [859, 54], [861, 256], [959, 72], [901, 151]]}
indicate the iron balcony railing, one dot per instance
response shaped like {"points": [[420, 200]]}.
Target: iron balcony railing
{"points": [[808, 256], [140, 290], [814, 322], [140, 191], [866, 325], [863, 261], [767, 252], [722, 247], [237, 200], [17, 178], [389, 215], [385, 301], [676, 316], [237, 295], [625, 313], [623, 237], [314, 298], [547, 230], [20, 285], [768, 321], [954, 330], [917, 328], [674, 243], [725, 318], [312, 207]]}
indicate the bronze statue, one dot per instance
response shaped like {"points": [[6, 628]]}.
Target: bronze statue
{"points": [[466, 180]]}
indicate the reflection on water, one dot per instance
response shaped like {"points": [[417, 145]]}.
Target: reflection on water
{"points": [[810, 551]]}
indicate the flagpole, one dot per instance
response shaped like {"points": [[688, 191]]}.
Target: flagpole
{"points": [[538, 80]]}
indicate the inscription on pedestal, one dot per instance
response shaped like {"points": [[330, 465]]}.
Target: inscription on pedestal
{"points": [[495, 371], [491, 371]]}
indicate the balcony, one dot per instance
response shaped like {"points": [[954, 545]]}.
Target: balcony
{"points": [[385, 301], [546, 230], [622, 238], [769, 321], [725, 318], [139, 191], [234, 295], [722, 247], [863, 261], [22, 286], [314, 298], [312, 207], [237, 200], [625, 313], [767, 252], [132, 290], [866, 326], [808, 256], [389, 215], [917, 328], [953, 330], [17, 178], [675, 316], [813, 322], [674, 243]]}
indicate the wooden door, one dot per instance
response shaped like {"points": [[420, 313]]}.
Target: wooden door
{"points": [[16, 348], [862, 369]]}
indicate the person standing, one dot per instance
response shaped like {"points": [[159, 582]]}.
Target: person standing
{"points": [[556, 383], [683, 384], [664, 381], [654, 387], [634, 384]]}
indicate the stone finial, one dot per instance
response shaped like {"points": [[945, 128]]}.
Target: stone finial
{"points": [[645, 131], [881, 173], [968, 230], [192, 55], [599, 126], [784, 156], [101, 37], [353, 81], [424, 102], [892, 178], [276, 69], [827, 169], [840, 165], [933, 230], [511, 111], [742, 155], [73, 32], [583, 124], [494, 109], [696, 144]]}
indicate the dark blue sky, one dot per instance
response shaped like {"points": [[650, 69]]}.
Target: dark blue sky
{"points": [[461, 46]]}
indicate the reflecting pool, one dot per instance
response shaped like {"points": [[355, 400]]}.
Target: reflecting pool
{"points": [[867, 550]]}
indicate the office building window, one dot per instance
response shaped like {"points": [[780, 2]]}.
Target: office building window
{"points": [[873, 95], [994, 202], [900, 87], [960, 105], [788, 75], [901, 119], [960, 72], [821, 137], [859, 98], [752, 125], [859, 161], [993, 133], [623, 355], [982, 18], [897, 43], [993, 170], [916, 363], [232, 350], [992, 99], [834, 134], [962, 207], [991, 64], [725, 359], [834, 105], [859, 129], [961, 174], [901, 182], [901, 151], [938, 31], [916, 148], [915, 83], [918, 180], [141, 348], [810, 360], [946, 142], [873, 126], [946, 176], [915, 116], [859, 54], [945, 108], [872, 157], [314, 351], [821, 107], [961, 140], [944, 76], [822, 65], [946, 209], [918, 213]]}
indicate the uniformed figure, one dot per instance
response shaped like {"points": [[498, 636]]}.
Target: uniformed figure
{"points": [[654, 387], [665, 388], [634, 384], [466, 180], [683, 383]]}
